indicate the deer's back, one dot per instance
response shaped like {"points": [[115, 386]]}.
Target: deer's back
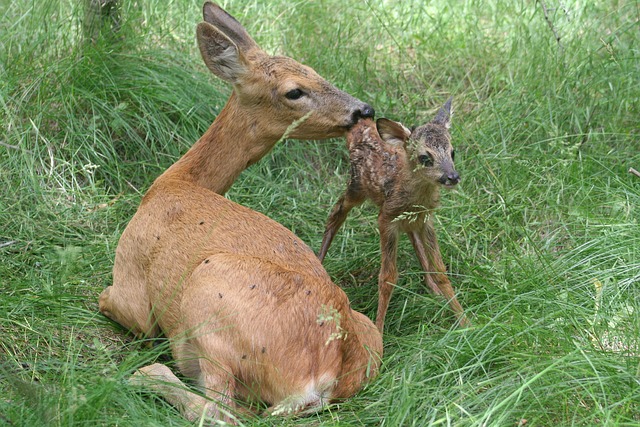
{"points": [[179, 224]]}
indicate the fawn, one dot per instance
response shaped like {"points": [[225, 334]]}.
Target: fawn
{"points": [[401, 171], [248, 309]]}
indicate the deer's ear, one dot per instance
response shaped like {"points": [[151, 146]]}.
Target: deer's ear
{"points": [[392, 132], [220, 53], [229, 26], [444, 114]]}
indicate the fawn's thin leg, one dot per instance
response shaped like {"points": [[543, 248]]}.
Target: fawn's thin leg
{"points": [[338, 215], [418, 247], [388, 269], [427, 249]]}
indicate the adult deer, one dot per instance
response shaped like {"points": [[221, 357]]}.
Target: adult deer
{"points": [[249, 310], [402, 172]]}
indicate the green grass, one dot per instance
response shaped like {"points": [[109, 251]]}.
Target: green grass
{"points": [[542, 238]]}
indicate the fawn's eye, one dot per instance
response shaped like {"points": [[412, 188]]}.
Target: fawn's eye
{"points": [[294, 94], [453, 155], [425, 160]]}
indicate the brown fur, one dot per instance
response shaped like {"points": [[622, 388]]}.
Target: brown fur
{"points": [[385, 168], [248, 308]]}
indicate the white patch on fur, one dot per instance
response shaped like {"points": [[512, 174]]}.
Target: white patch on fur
{"points": [[315, 397]]}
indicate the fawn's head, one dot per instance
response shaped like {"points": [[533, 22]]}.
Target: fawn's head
{"points": [[428, 146], [274, 90]]}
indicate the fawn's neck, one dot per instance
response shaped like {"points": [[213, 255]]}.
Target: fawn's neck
{"points": [[233, 142], [424, 193]]}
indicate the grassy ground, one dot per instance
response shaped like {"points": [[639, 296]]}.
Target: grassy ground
{"points": [[542, 238]]}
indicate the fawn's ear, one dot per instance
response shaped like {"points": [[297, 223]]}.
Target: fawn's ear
{"points": [[223, 43], [444, 114], [392, 132]]}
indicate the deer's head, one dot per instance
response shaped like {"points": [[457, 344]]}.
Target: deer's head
{"points": [[277, 90]]}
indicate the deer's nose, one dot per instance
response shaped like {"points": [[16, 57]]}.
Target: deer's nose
{"points": [[364, 112], [368, 112]]}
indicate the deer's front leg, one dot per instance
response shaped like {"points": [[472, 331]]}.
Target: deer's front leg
{"points": [[428, 251], [388, 269]]}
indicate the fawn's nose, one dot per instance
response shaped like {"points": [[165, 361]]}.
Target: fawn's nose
{"points": [[364, 112], [451, 178]]}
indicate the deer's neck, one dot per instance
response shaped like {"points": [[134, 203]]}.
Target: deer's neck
{"points": [[233, 142]]}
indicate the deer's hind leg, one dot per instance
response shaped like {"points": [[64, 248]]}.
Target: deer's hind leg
{"points": [[162, 381], [220, 388], [201, 358], [159, 379], [425, 244], [338, 215]]}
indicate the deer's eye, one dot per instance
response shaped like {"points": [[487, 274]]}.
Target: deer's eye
{"points": [[453, 155], [425, 160], [294, 94]]}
